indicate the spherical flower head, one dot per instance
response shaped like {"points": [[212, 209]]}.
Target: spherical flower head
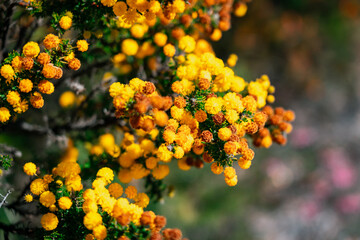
{"points": [[49, 221], [51, 41], [47, 198], [25, 85], [74, 64], [116, 190], [217, 169], [49, 71], [169, 50], [7, 72], [229, 172], [161, 171], [129, 47], [65, 203], [138, 30], [106, 173], [244, 164], [31, 49], [120, 8], [30, 168], [187, 44], [67, 99], [142, 200], [16, 63], [28, 198], [13, 97], [164, 154], [224, 134], [216, 35], [131, 192], [4, 114], [100, 232], [37, 100], [92, 220], [147, 218], [38, 186], [231, 181], [179, 6], [46, 87], [108, 3], [82, 45], [65, 22], [230, 147], [213, 105], [160, 39], [240, 9]]}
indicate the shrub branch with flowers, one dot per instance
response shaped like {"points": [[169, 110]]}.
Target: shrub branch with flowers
{"points": [[164, 97]]}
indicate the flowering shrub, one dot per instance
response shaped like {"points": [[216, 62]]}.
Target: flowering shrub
{"points": [[165, 97]]}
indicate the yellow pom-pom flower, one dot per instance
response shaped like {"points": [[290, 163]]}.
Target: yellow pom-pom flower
{"points": [[49, 221], [47, 198], [65, 203], [30, 168], [82, 45], [129, 47], [4, 114], [28, 198], [65, 22], [31, 49], [67, 99], [7, 72]]}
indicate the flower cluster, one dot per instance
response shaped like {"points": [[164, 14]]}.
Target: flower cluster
{"points": [[104, 210], [210, 115], [25, 77]]}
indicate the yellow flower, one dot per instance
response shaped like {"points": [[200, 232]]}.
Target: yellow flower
{"points": [[187, 44], [217, 169], [7, 72], [100, 232], [164, 154], [28, 198], [240, 9], [31, 49], [120, 8], [51, 41], [25, 85], [129, 47], [13, 97], [4, 114], [65, 203], [131, 192], [213, 105], [38, 186], [116, 190], [67, 99], [224, 133], [169, 50], [142, 200], [47, 198], [49, 221], [65, 22], [82, 45], [108, 3], [160, 39], [37, 100], [30, 168], [92, 220], [161, 171], [106, 173], [46, 87]]}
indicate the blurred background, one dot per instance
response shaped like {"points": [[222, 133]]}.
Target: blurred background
{"points": [[308, 189]]}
